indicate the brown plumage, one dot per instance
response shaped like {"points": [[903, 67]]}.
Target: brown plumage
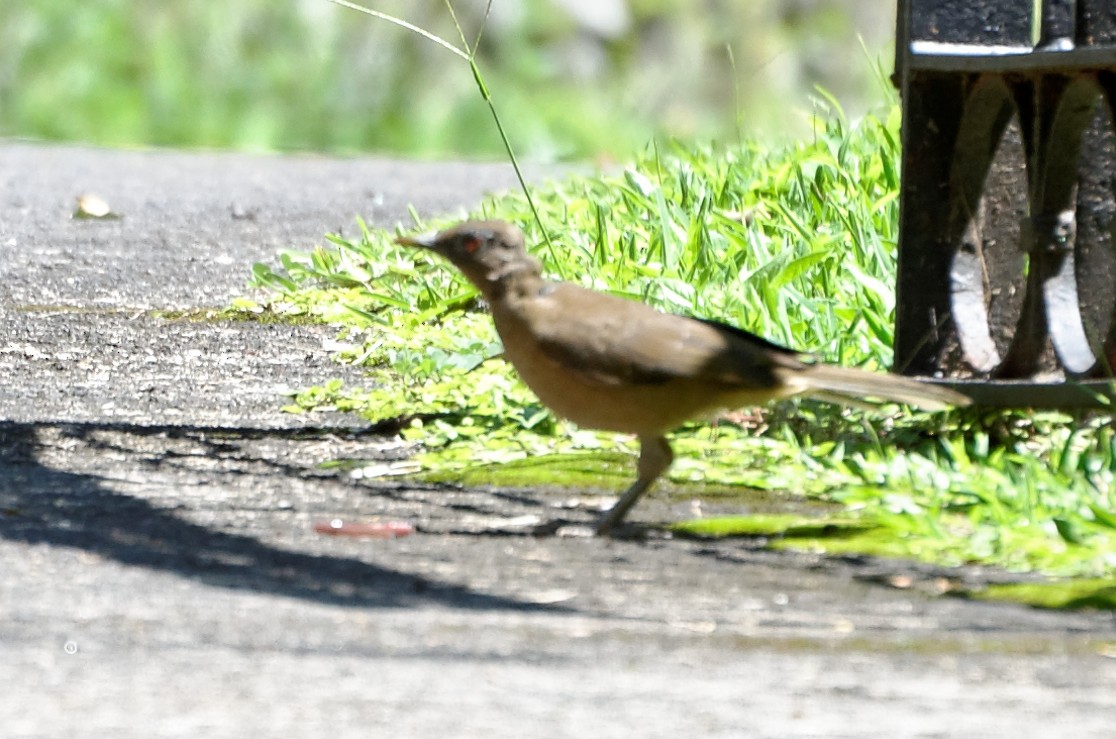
{"points": [[608, 363]]}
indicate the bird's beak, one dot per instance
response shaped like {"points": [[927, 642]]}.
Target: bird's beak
{"points": [[425, 241]]}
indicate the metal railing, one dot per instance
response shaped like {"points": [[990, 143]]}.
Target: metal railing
{"points": [[1007, 268]]}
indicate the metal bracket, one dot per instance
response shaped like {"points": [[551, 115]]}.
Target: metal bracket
{"points": [[1007, 269]]}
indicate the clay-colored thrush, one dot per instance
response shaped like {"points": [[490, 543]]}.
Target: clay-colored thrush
{"points": [[608, 363]]}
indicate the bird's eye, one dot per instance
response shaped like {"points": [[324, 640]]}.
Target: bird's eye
{"points": [[470, 244]]}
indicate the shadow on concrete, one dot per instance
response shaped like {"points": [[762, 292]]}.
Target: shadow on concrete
{"points": [[41, 505]]}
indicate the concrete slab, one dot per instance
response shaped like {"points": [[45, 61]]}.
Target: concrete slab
{"points": [[162, 578]]}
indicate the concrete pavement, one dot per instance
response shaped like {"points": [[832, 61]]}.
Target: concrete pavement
{"points": [[161, 577]]}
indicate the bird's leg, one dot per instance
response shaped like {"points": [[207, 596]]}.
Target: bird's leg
{"points": [[655, 456]]}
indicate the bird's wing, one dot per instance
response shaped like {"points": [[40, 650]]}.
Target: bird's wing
{"points": [[612, 341]]}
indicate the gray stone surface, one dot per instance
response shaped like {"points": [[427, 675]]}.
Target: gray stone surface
{"points": [[162, 577]]}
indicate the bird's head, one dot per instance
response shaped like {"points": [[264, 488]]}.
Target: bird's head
{"points": [[486, 252]]}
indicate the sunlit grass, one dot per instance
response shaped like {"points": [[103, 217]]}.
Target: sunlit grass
{"points": [[794, 243]]}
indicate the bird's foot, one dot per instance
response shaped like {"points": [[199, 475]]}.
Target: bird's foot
{"points": [[563, 528], [624, 531], [566, 529]]}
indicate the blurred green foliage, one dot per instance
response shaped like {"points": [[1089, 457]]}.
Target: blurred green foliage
{"points": [[572, 78]]}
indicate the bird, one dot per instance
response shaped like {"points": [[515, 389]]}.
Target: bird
{"points": [[614, 364]]}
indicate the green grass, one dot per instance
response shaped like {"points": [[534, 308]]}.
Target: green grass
{"points": [[1092, 593], [265, 76], [795, 243], [310, 76]]}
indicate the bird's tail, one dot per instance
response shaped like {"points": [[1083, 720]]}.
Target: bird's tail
{"points": [[856, 387]]}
